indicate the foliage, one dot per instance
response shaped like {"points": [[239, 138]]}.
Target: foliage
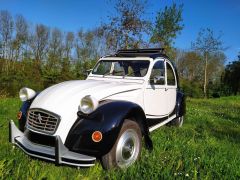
{"points": [[206, 147], [190, 66], [191, 88], [208, 45], [231, 77], [38, 56], [168, 25], [126, 28], [6, 31], [27, 73]]}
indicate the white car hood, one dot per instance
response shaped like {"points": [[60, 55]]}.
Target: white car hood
{"points": [[64, 98], [73, 91]]}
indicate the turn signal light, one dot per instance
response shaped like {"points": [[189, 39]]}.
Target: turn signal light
{"points": [[19, 115], [96, 136]]}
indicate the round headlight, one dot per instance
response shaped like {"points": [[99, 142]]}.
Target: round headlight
{"points": [[88, 104], [26, 94]]}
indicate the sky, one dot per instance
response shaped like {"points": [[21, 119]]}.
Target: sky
{"points": [[221, 16]]}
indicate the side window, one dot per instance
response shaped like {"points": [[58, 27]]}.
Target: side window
{"points": [[170, 76], [102, 68], [158, 73]]}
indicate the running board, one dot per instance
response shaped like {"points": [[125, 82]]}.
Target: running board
{"points": [[161, 124]]}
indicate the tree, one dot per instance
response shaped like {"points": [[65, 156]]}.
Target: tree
{"points": [[69, 43], [207, 44], [87, 50], [6, 30], [190, 66], [56, 43], [86, 46], [39, 41], [231, 77], [21, 36], [168, 25], [126, 29]]}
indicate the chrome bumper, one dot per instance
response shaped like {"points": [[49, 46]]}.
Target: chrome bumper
{"points": [[58, 154]]}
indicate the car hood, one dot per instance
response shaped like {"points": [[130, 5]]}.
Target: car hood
{"points": [[64, 98], [71, 92]]}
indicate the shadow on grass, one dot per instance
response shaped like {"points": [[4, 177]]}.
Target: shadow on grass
{"points": [[230, 134], [227, 117], [223, 132]]}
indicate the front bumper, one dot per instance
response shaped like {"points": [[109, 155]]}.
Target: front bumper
{"points": [[58, 154]]}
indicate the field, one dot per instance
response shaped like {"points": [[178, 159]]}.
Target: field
{"points": [[206, 147]]}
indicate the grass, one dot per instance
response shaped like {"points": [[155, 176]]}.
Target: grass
{"points": [[206, 147]]}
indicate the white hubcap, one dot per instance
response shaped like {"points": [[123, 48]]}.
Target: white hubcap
{"points": [[127, 148]]}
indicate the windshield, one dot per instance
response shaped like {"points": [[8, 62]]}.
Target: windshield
{"points": [[130, 68]]}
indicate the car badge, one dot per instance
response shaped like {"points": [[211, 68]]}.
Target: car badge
{"points": [[39, 117]]}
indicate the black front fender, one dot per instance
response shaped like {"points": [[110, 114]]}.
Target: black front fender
{"points": [[24, 110], [108, 119]]}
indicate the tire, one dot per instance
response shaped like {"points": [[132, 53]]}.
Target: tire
{"points": [[126, 149], [178, 122]]}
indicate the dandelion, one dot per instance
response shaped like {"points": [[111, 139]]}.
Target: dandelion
{"points": [[196, 158]]}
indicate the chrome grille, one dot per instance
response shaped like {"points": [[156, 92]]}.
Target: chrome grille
{"points": [[42, 121]]}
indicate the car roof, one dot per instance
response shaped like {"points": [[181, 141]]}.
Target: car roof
{"points": [[131, 53]]}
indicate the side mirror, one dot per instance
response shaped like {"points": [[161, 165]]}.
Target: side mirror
{"points": [[158, 80]]}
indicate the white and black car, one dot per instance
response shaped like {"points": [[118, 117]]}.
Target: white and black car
{"points": [[105, 117]]}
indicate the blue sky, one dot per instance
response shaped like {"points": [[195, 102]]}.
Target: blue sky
{"points": [[72, 15]]}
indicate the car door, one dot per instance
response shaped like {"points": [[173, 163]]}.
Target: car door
{"points": [[171, 88], [155, 94]]}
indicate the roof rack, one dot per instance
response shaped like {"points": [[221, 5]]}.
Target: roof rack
{"points": [[151, 52]]}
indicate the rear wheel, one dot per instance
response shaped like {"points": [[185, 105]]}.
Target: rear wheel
{"points": [[126, 149], [178, 122]]}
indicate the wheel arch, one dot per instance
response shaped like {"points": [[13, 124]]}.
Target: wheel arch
{"points": [[180, 104], [137, 114], [108, 118]]}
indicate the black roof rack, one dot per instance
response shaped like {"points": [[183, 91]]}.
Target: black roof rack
{"points": [[151, 52]]}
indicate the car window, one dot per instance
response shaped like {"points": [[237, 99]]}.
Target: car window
{"points": [[158, 73], [118, 70], [132, 68], [170, 76], [102, 68]]}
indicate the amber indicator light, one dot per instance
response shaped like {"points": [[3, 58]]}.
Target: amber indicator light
{"points": [[96, 136], [19, 115]]}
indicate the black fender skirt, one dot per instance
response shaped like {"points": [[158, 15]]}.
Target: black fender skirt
{"points": [[108, 119], [180, 104]]}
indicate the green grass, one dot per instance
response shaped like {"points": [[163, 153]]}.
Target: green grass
{"points": [[206, 147]]}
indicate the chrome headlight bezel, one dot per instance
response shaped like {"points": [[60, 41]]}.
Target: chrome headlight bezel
{"points": [[26, 94], [88, 104]]}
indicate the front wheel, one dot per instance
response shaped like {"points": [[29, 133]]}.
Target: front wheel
{"points": [[126, 149]]}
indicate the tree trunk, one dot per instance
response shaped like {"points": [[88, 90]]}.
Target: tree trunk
{"points": [[126, 41], [205, 76]]}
